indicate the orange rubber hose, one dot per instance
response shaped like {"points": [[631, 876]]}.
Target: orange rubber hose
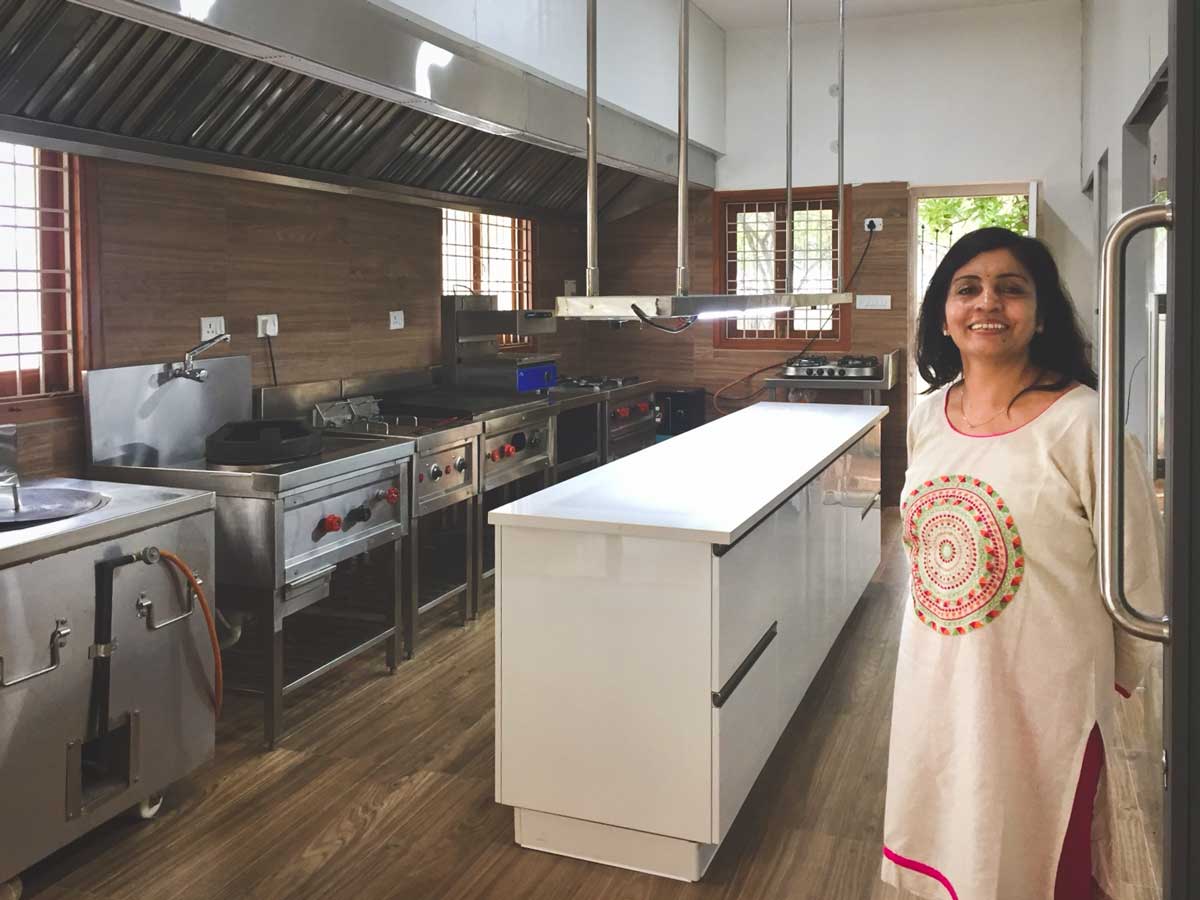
{"points": [[218, 673]]}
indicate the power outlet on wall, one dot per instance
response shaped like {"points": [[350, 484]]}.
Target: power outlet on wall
{"points": [[268, 325], [868, 223], [211, 326], [396, 319]]}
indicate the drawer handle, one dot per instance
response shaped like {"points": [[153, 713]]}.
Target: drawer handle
{"points": [[58, 640], [719, 698]]}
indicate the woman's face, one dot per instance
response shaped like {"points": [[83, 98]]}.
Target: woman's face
{"points": [[991, 310]]}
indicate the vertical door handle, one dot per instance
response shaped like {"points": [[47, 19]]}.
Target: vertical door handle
{"points": [[1111, 499]]}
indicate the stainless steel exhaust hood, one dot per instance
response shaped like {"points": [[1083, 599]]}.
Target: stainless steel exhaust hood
{"points": [[691, 307], [195, 98], [370, 47]]}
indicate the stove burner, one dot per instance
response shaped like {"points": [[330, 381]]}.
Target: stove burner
{"points": [[808, 361], [598, 382], [846, 367], [259, 442]]}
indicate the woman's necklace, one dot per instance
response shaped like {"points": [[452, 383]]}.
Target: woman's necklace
{"points": [[963, 412]]}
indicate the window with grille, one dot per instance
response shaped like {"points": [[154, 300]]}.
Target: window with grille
{"points": [[486, 254], [37, 338], [752, 252]]}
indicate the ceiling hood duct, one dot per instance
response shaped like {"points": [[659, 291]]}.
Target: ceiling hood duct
{"points": [[690, 307], [370, 47], [86, 82]]}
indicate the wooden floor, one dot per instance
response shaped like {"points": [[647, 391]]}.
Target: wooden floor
{"points": [[385, 790]]}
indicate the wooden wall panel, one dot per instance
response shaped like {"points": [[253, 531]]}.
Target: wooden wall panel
{"points": [[560, 254], [637, 255], [175, 246], [49, 448]]}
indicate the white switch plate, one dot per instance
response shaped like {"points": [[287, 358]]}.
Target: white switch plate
{"points": [[396, 319], [570, 287], [872, 301], [867, 224], [268, 325], [211, 326]]}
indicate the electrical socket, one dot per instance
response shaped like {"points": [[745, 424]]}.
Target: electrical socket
{"points": [[268, 325], [396, 319], [878, 225], [872, 301], [211, 326]]}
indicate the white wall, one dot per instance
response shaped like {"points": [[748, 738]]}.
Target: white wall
{"points": [[637, 47], [1124, 44], [990, 94]]}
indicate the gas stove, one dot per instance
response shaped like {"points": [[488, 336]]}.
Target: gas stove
{"points": [[444, 463], [844, 367], [283, 524], [597, 382]]}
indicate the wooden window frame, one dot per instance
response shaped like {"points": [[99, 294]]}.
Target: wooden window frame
{"points": [[720, 255], [80, 254], [522, 274]]}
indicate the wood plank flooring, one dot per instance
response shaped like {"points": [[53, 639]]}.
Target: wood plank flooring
{"points": [[384, 790]]}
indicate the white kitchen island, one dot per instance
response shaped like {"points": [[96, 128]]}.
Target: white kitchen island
{"points": [[659, 619]]}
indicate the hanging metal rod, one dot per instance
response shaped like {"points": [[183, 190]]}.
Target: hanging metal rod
{"points": [[787, 166], [681, 238], [593, 306], [841, 150]]}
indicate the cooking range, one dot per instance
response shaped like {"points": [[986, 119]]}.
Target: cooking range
{"points": [[444, 474], [515, 447], [624, 409], [292, 504], [807, 372], [814, 366]]}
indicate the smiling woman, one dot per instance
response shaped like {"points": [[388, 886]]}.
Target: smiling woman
{"points": [[1007, 654]]}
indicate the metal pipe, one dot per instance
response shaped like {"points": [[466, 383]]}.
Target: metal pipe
{"points": [[681, 263], [787, 163], [593, 270], [841, 153], [1111, 498]]}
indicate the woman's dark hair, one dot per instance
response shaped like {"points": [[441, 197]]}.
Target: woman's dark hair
{"points": [[1060, 346]]}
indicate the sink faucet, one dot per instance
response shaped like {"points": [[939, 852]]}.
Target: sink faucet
{"points": [[188, 369]]}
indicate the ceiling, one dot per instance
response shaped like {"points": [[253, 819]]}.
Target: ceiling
{"points": [[735, 14]]}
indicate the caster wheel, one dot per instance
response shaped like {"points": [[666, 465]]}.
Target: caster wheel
{"points": [[149, 807], [11, 890]]}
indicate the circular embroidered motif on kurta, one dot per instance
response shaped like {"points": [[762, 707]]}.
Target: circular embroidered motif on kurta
{"points": [[966, 554]]}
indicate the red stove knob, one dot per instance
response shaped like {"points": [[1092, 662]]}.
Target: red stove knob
{"points": [[392, 496], [331, 523], [643, 407], [494, 456], [623, 412], [509, 450]]}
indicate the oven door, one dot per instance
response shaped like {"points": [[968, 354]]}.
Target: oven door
{"points": [[578, 440], [632, 439]]}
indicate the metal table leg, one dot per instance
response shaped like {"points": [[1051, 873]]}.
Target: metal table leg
{"points": [[477, 556], [470, 598], [412, 598], [395, 644], [272, 637]]}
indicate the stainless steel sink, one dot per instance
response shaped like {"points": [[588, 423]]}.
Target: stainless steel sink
{"points": [[20, 506]]}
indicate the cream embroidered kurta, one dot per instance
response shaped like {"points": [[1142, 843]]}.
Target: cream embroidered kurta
{"points": [[1007, 656]]}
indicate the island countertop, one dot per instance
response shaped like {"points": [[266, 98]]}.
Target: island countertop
{"points": [[711, 484]]}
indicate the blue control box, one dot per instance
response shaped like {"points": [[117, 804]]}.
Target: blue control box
{"points": [[537, 378]]}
